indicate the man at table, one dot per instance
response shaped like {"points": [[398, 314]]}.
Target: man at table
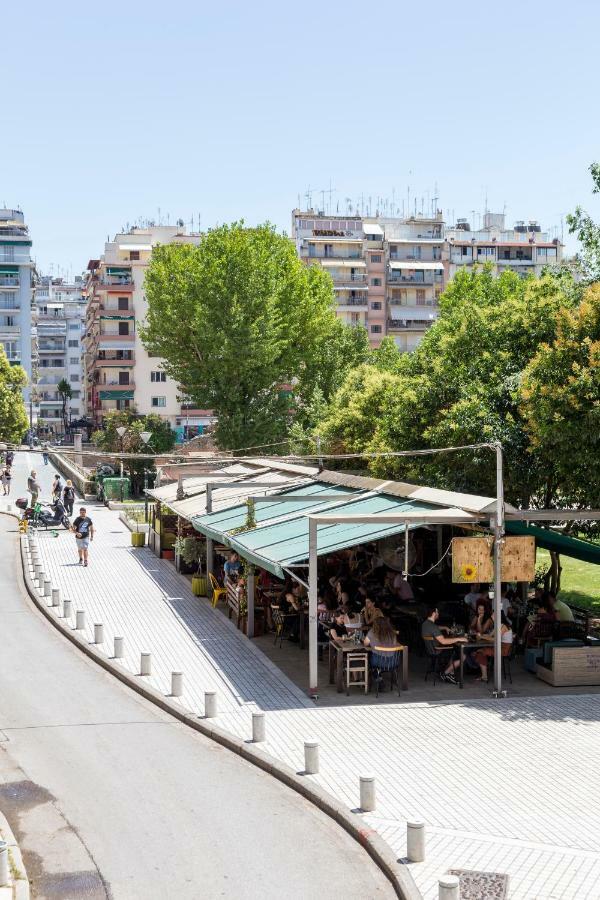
{"points": [[232, 566], [430, 629]]}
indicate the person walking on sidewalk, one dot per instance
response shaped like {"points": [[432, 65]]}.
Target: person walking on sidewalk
{"points": [[6, 479], [69, 497], [83, 528], [33, 486], [45, 453], [56, 487]]}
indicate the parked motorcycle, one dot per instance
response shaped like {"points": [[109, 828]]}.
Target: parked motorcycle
{"points": [[49, 515]]}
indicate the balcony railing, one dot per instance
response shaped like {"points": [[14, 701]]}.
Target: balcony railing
{"points": [[117, 338], [352, 301], [114, 363], [415, 279], [114, 386], [356, 278], [9, 281], [410, 324], [113, 281]]}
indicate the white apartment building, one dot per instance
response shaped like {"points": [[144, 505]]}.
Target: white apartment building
{"points": [[16, 334], [120, 374], [60, 316], [389, 273]]}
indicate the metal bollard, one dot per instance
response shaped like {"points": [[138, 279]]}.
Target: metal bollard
{"points": [[80, 619], [98, 633], [367, 792], [210, 704], [9, 507], [311, 757], [258, 727], [67, 609], [449, 887], [118, 654], [55, 596], [176, 684], [47, 588], [415, 841], [4, 866], [146, 664]]}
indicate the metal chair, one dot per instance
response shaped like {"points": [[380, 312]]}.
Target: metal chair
{"points": [[280, 621], [357, 664], [218, 592], [436, 656], [386, 659]]}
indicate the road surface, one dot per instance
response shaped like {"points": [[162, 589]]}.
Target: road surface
{"points": [[110, 797]]}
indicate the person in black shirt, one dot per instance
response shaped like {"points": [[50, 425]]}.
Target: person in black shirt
{"points": [[69, 497], [338, 630], [83, 530]]}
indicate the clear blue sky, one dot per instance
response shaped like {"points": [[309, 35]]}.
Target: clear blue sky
{"points": [[232, 109]]}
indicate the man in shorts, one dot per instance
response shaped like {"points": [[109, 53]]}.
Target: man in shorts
{"points": [[83, 529]]}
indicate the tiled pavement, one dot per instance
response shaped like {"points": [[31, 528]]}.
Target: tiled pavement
{"points": [[508, 786]]}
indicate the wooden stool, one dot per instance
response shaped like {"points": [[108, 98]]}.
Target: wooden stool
{"points": [[357, 664]]}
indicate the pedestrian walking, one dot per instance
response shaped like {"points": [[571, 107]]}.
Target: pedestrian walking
{"points": [[45, 453], [69, 497], [33, 486], [83, 529], [10, 457], [6, 480], [57, 487]]}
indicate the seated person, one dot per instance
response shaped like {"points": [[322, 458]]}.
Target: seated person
{"points": [[352, 618], [233, 566], [481, 622], [370, 611], [544, 615], [402, 589], [382, 634], [482, 656], [473, 597], [291, 606], [561, 610], [430, 629], [338, 631]]}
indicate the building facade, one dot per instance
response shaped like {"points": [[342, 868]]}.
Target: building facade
{"points": [[389, 273], [60, 317], [16, 292], [119, 372]]}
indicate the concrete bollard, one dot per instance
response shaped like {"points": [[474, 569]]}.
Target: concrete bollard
{"points": [[367, 792], [176, 684], [37, 568], [210, 704], [55, 596], [146, 664], [4, 865], [9, 507], [415, 841], [449, 887], [47, 588], [118, 654], [40, 581], [80, 619], [98, 633], [67, 609], [311, 757], [258, 727]]}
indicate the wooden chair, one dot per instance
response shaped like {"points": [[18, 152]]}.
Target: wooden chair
{"points": [[386, 659], [357, 664], [218, 592]]}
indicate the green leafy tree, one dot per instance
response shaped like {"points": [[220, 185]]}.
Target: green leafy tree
{"points": [[587, 231], [162, 440], [240, 318], [65, 393], [13, 416]]}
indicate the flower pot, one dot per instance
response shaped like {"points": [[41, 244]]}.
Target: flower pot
{"points": [[199, 585], [138, 539], [167, 554]]}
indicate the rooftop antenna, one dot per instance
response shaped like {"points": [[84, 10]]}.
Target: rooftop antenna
{"points": [[434, 201], [348, 205], [308, 196], [473, 215], [159, 219]]}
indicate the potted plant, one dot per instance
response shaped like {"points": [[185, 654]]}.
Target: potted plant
{"points": [[138, 538], [193, 552]]}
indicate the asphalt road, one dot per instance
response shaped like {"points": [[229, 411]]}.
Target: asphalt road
{"points": [[110, 797]]}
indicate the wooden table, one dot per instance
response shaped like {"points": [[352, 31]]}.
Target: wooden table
{"points": [[337, 651], [471, 645]]}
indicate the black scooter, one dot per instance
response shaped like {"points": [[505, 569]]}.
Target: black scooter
{"points": [[51, 517]]}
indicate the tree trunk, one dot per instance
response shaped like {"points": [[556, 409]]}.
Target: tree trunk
{"points": [[555, 572]]}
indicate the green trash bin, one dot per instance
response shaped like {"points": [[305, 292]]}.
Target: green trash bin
{"points": [[116, 488]]}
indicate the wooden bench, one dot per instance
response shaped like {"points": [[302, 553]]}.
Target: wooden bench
{"points": [[233, 601], [572, 666]]}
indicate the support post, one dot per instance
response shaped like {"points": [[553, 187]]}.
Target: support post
{"points": [[146, 664], [250, 603], [209, 542], [210, 704], [405, 573], [367, 792], [498, 538], [313, 677]]}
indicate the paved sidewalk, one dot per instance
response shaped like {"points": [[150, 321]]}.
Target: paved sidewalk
{"points": [[507, 786]]}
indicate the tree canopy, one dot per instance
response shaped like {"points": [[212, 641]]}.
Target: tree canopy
{"points": [[587, 231], [13, 415], [65, 392], [162, 440], [247, 330]]}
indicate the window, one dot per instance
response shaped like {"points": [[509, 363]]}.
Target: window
{"points": [[123, 377], [134, 254], [546, 252], [7, 254], [73, 360], [158, 376], [7, 321], [11, 349], [420, 297], [464, 251], [73, 343], [159, 401], [123, 303], [73, 377], [8, 300], [74, 326], [75, 395], [376, 282], [375, 257], [123, 327], [375, 329], [123, 404], [376, 304], [437, 252]]}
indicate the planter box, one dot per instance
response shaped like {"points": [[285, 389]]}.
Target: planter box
{"points": [[200, 585], [138, 539], [167, 554], [572, 666]]}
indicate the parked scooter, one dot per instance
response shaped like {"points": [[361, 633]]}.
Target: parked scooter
{"points": [[46, 515]]}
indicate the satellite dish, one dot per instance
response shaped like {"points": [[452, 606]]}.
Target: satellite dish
{"points": [[391, 550]]}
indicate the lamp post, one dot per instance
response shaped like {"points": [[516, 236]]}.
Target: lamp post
{"points": [[121, 431]]}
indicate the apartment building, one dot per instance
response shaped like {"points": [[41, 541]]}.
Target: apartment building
{"points": [[60, 316], [16, 292], [525, 249], [389, 273], [119, 372]]}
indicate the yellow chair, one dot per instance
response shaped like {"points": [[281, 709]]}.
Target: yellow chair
{"points": [[218, 592]]}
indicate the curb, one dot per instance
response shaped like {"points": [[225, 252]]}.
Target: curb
{"points": [[20, 886], [379, 851]]}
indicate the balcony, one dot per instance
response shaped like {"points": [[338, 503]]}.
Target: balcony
{"points": [[114, 363], [112, 386], [115, 338], [51, 348], [417, 279], [10, 329], [114, 283], [520, 261], [352, 302], [410, 324], [347, 277], [117, 310], [9, 281], [334, 254]]}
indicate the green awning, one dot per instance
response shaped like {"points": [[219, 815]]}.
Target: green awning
{"points": [[13, 270], [561, 543], [118, 270], [115, 395], [118, 317], [282, 538], [15, 243]]}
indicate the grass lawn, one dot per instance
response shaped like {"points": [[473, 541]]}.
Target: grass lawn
{"points": [[580, 581]]}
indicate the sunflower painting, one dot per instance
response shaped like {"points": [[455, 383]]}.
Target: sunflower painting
{"points": [[469, 572]]}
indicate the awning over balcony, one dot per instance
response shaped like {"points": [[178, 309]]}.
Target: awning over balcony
{"points": [[115, 395], [118, 270], [9, 270], [417, 264], [113, 345], [368, 228], [119, 317], [345, 263]]}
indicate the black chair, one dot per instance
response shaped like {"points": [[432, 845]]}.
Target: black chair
{"points": [[386, 659], [281, 622], [436, 656]]}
